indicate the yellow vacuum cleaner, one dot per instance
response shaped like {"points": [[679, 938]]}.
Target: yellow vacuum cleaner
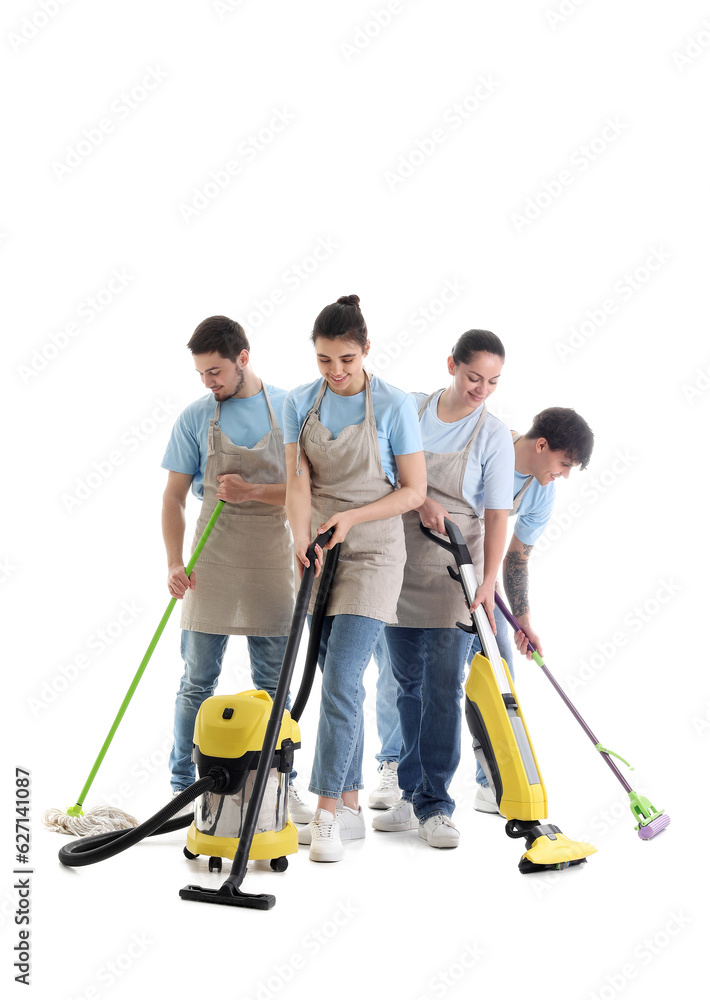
{"points": [[501, 741], [229, 733], [243, 749]]}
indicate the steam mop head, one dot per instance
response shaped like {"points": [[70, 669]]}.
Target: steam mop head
{"points": [[548, 849]]}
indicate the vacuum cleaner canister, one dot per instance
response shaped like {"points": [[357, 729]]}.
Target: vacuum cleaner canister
{"points": [[229, 733]]}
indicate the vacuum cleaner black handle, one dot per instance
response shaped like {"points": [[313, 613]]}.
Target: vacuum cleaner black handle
{"points": [[456, 544], [322, 541]]}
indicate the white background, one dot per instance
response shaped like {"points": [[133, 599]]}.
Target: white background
{"points": [[613, 94]]}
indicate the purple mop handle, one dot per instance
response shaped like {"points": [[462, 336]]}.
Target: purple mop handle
{"points": [[510, 617]]}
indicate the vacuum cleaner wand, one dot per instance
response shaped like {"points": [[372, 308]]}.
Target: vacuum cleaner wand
{"points": [[230, 893], [650, 820]]}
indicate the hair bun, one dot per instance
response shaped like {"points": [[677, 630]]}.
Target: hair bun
{"points": [[349, 300]]}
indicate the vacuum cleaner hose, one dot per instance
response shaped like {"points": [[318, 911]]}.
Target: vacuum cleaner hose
{"points": [[90, 850], [316, 630]]}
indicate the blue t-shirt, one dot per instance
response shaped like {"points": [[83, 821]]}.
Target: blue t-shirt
{"points": [[488, 480], [535, 509], [395, 416], [245, 421]]}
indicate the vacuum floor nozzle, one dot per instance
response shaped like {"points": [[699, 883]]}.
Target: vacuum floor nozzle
{"points": [[228, 895]]}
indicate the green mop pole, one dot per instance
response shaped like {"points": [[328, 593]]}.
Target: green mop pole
{"points": [[76, 809]]}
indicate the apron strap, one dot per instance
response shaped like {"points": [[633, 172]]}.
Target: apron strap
{"points": [[313, 410], [273, 422], [476, 429]]}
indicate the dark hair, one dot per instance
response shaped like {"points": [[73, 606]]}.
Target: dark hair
{"points": [[342, 319], [220, 334], [564, 430], [472, 342]]}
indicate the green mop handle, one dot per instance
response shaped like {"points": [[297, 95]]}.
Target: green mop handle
{"points": [[76, 810]]}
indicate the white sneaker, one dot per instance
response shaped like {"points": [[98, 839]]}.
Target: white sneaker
{"points": [[439, 831], [325, 838], [485, 801], [397, 818], [387, 792], [351, 824], [299, 810]]}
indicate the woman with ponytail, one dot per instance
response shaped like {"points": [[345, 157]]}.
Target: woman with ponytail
{"points": [[354, 463], [470, 461]]}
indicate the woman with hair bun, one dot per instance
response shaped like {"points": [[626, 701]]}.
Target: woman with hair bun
{"points": [[470, 461], [354, 463]]}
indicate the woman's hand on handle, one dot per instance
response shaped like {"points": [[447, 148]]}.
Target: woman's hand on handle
{"points": [[341, 523], [303, 561], [432, 515], [485, 595]]}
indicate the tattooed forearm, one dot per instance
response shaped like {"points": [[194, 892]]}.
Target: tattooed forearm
{"points": [[515, 580]]}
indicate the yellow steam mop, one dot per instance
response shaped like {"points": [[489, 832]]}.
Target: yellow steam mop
{"points": [[501, 741]]}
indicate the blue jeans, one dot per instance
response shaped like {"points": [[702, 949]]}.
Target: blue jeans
{"points": [[345, 650], [505, 649], [428, 664], [387, 713], [202, 654]]}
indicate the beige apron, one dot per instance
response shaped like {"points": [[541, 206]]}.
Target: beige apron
{"points": [[347, 472], [246, 573], [429, 597]]}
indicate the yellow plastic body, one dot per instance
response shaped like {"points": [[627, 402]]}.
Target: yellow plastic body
{"points": [[245, 731], [520, 799], [559, 851], [217, 736], [264, 846]]}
